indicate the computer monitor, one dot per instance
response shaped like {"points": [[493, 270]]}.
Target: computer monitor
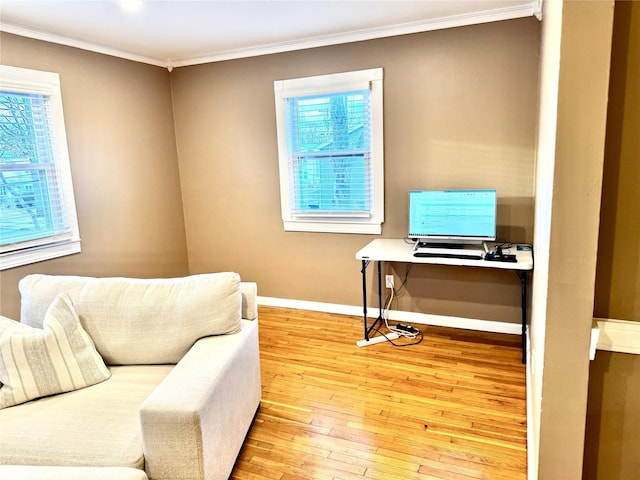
{"points": [[452, 216]]}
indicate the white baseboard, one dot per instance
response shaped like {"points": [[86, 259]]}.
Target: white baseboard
{"points": [[621, 336], [397, 315]]}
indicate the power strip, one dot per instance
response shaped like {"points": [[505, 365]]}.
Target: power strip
{"points": [[407, 328], [378, 339]]}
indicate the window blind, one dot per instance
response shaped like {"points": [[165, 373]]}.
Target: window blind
{"points": [[30, 198], [328, 140]]}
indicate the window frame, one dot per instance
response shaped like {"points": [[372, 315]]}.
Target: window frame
{"points": [[370, 79], [27, 81]]}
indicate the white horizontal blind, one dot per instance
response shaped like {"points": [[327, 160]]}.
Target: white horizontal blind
{"points": [[331, 152], [32, 206], [328, 139], [37, 209]]}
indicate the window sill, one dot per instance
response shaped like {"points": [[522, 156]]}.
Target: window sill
{"points": [[38, 254], [333, 227]]}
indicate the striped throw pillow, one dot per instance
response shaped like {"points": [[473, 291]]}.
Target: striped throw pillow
{"points": [[60, 357]]}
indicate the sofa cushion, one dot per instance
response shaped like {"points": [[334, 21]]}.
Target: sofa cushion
{"points": [[96, 426], [58, 358], [24, 472], [142, 321]]}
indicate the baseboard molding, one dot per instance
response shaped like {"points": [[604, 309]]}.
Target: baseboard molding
{"points": [[396, 315], [622, 336]]}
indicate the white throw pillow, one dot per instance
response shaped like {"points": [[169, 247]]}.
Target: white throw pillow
{"points": [[58, 358]]}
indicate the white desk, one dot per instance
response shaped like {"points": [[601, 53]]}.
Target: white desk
{"points": [[398, 250]]}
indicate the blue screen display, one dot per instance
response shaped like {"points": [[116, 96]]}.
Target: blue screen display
{"points": [[452, 214]]}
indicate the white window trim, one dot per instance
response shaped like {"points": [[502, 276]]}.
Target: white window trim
{"points": [[338, 82], [22, 80]]}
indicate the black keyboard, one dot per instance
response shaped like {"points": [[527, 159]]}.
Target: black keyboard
{"points": [[460, 256]]}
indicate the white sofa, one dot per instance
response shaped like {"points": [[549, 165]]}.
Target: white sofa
{"points": [[183, 385]]}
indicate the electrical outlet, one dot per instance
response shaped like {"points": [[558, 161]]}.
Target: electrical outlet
{"points": [[389, 280]]}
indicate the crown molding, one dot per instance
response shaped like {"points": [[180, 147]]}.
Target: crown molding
{"points": [[487, 16], [533, 8], [81, 44]]}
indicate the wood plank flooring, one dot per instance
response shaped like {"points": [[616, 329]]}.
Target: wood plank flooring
{"points": [[452, 407]]}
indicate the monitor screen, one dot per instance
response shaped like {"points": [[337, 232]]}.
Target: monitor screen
{"points": [[460, 216]]}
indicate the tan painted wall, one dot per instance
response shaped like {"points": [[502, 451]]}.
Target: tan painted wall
{"points": [[613, 418], [577, 178], [613, 415], [460, 110], [618, 274], [121, 140]]}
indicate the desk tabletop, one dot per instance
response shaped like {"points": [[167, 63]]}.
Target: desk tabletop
{"points": [[399, 250]]}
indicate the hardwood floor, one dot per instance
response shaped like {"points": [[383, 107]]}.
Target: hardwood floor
{"points": [[452, 407]]}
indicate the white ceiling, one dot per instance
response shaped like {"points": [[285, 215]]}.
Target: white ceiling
{"points": [[184, 32]]}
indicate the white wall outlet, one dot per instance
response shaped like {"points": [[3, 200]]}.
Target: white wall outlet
{"points": [[389, 280]]}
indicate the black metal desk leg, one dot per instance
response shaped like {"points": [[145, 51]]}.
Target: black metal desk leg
{"points": [[364, 297], [523, 282], [379, 290], [369, 328]]}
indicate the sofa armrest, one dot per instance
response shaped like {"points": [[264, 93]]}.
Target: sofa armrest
{"points": [[194, 423], [249, 292]]}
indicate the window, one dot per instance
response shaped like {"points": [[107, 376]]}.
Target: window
{"points": [[37, 209], [330, 149]]}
